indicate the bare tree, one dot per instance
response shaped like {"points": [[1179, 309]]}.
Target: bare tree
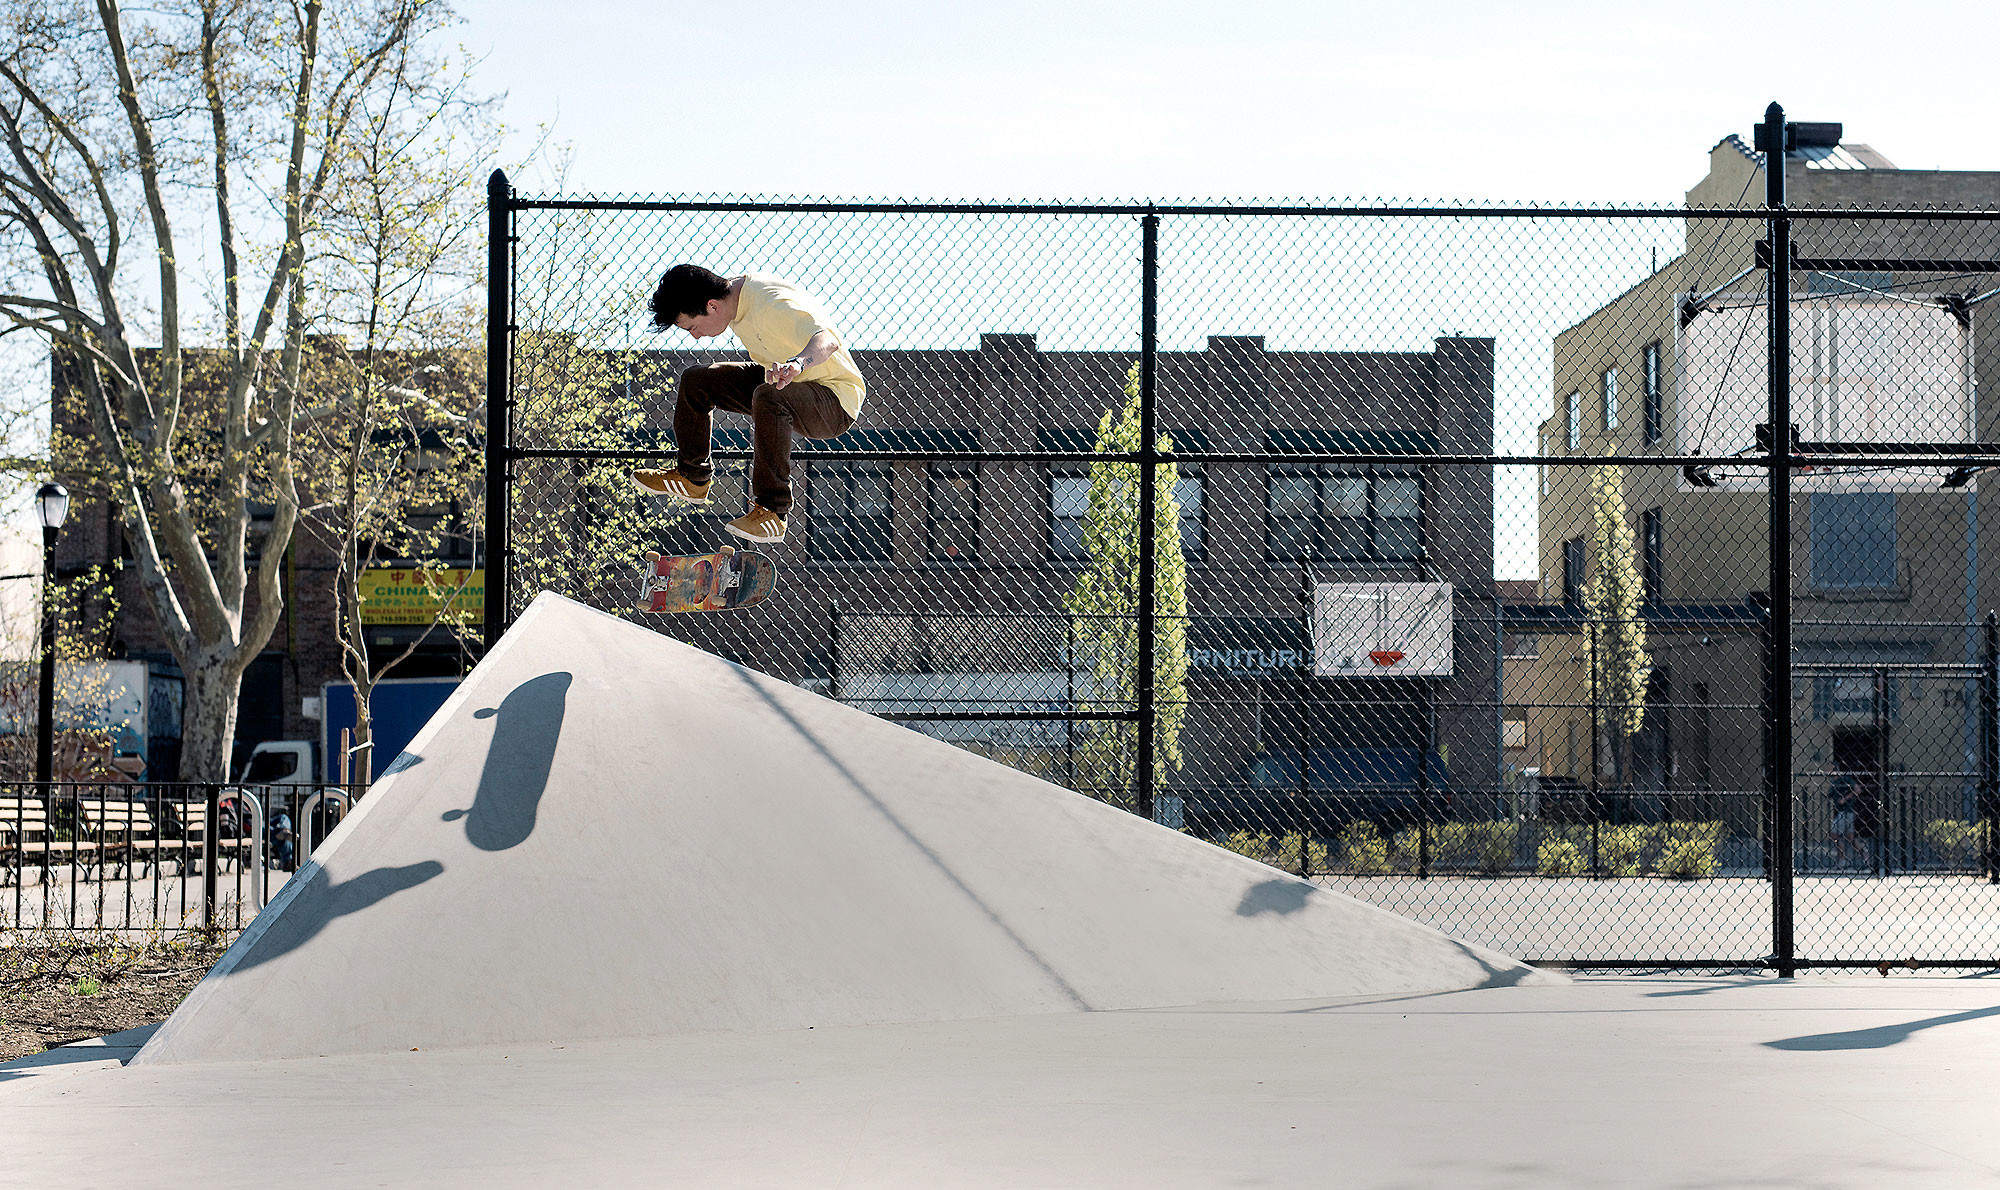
{"points": [[121, 132], [395, 472]]}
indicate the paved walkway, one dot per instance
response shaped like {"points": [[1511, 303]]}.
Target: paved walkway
{"points": [[1819, 1083]]}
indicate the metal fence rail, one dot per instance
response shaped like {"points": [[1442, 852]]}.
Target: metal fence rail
{"points": [[138, 858], [1154, 500]]}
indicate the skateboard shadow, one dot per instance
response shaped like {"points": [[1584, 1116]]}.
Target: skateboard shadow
{"points": [[518, 760]]}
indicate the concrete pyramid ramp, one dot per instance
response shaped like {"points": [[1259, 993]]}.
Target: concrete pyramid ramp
{"points": [[607, 832]]}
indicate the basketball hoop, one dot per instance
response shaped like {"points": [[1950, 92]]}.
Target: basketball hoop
{"points": [[1385, 631]]}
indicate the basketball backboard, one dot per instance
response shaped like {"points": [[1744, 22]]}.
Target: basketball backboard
{"points": [[1866, 368], [1382, 630]]}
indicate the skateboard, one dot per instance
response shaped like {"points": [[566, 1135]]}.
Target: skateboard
{"points": [[727, 578]]}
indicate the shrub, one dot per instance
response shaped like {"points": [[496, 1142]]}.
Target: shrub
{"points": [[1255, 844], [1496, 845], [1558, 857], [1955, 841], [1288, 854], [1687, 859], [1362, 850], [1688, 849], [1406, 850], [1619, 847]]}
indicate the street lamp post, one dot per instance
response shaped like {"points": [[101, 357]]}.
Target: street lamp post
{"points": [[52, 506]]}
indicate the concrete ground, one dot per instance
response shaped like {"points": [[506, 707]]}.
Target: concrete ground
{"points": [[849, 956], [1755, 1082]]}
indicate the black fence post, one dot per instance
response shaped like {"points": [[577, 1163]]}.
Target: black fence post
{"points": [[1300, 810], [211, 852], [1147, 663], [1424, 809], [1774, 138], [1989, 752], [1596, 796], [1876, 802], [499, 401], [833, 678]]}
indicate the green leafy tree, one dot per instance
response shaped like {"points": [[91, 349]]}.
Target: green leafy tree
{"points": [[1106, 604], [1615, 635]]}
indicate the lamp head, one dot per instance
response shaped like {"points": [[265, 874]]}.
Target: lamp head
{"points": [[52, 505]]}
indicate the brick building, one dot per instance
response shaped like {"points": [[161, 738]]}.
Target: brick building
{"points": [[884, 553]]}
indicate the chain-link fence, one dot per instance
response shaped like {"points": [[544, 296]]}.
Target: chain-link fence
{"points": [[1453, 585]]}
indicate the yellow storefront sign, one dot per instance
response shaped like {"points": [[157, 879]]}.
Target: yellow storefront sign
{"points": [[392, 596]]}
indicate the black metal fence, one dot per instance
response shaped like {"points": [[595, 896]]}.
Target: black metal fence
{"points": [[1444, 554], [139, 858]]}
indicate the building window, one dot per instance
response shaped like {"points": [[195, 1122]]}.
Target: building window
{"points": [[1854, 540], [1543, 470], [1651, 559], [1188, 493], [951, 512], [850, 511], [1575, 419], [1653, 403], [1573, 572], [1609, 389], [1069, 501], [1322, 514], [1069, 504]]}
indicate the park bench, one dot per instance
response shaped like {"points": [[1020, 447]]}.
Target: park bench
{"points": [[27, 836], [231, 841], [127, 833]]}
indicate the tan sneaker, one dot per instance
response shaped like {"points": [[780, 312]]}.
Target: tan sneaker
{"points": [[760, 525], [673, 484]]}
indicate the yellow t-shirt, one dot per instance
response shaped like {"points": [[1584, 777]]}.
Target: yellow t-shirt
{"points": [[775, 318]]}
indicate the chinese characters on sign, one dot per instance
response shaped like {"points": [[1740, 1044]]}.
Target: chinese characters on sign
{"points": [[414, 596]]}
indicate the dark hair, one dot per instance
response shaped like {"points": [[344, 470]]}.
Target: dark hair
{"points": [[686, 289]]}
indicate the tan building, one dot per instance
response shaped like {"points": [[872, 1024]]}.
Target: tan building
{"points": [[1885, 576]]}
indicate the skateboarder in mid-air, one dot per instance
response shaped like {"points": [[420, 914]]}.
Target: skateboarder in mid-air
{"points": [[800, 380]]}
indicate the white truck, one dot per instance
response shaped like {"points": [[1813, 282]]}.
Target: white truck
{"points": [[283, 775]]}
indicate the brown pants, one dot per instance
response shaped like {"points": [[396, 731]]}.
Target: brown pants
{"points": [[803, 407]]}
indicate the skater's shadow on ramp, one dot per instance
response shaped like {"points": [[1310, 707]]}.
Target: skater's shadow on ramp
{"points": [[517, 763], [294, 929]]}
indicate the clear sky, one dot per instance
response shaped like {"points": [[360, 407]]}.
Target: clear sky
{"points": [[1442, 99]]}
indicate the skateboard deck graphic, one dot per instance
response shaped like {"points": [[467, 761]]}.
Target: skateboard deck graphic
{"points": [[727, 578]]}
